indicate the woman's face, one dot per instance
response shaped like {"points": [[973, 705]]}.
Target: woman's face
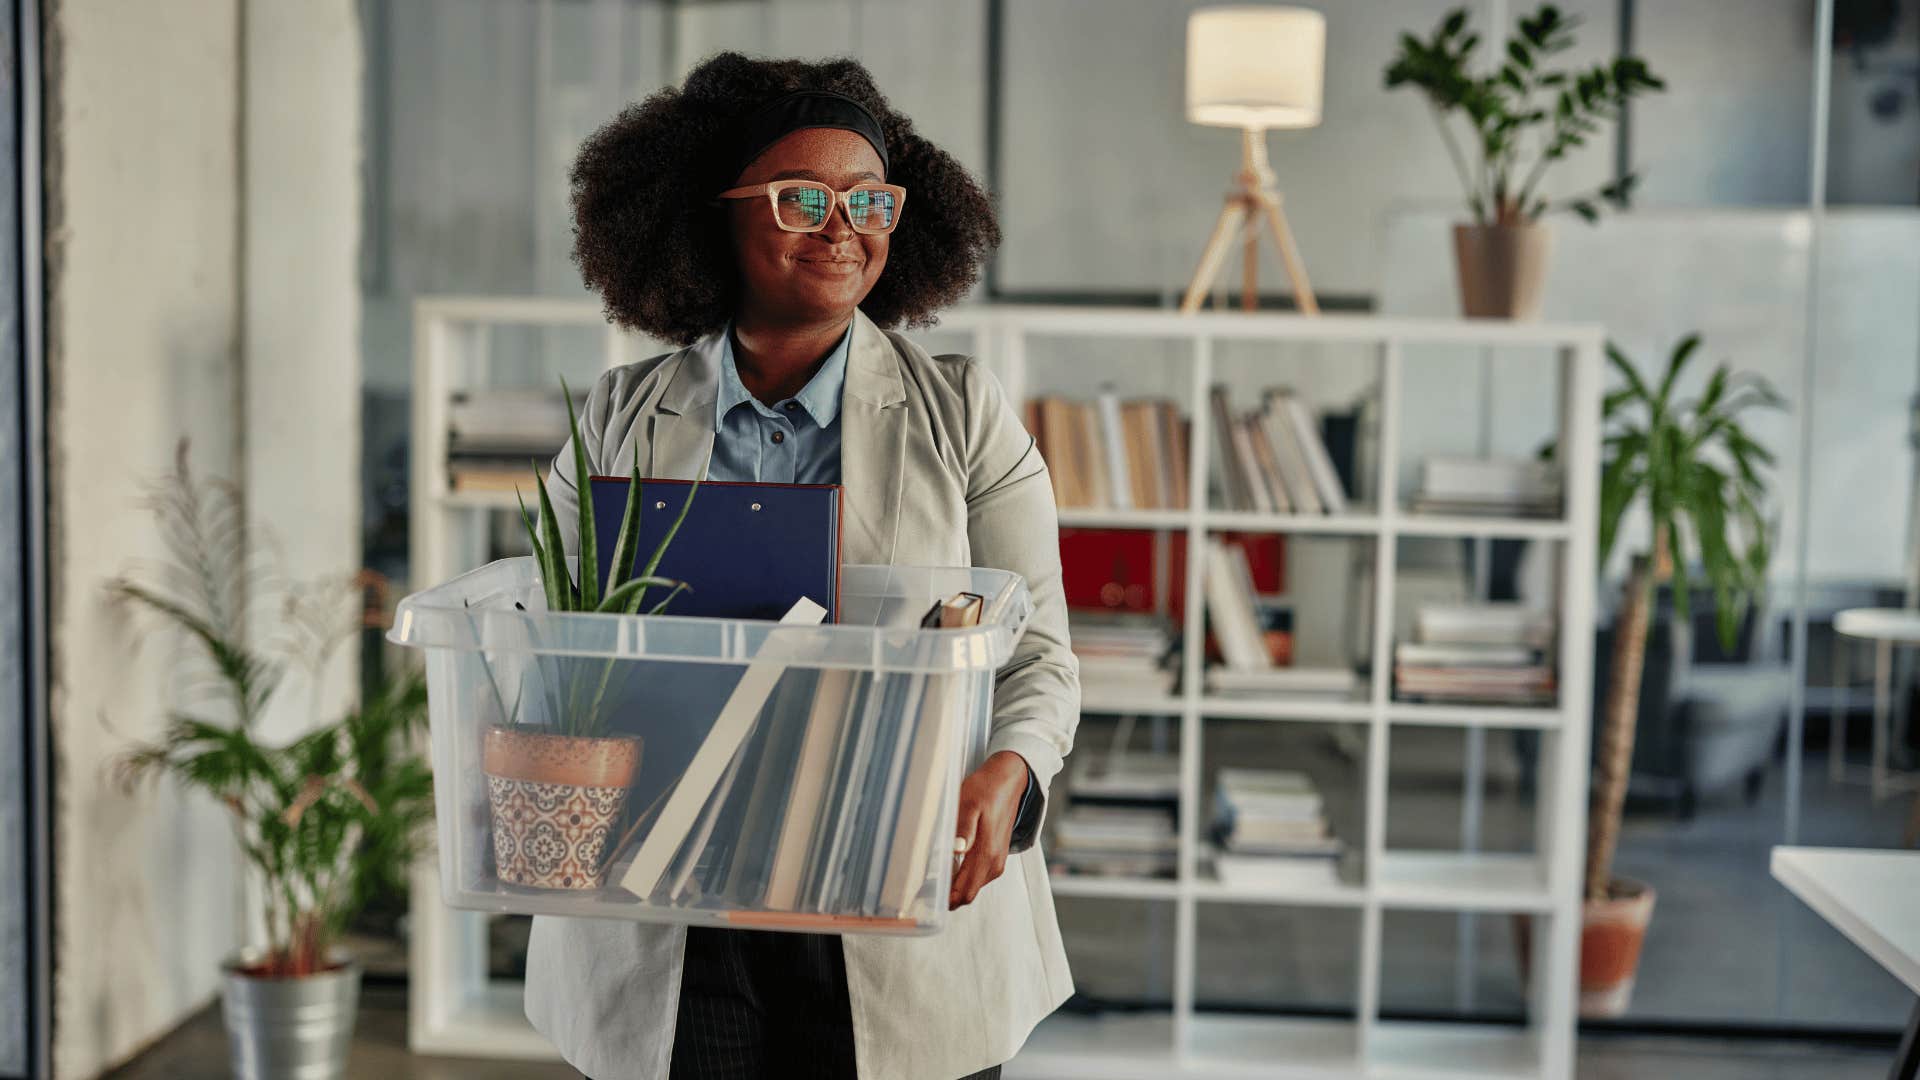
{"points": [[816, 276]]}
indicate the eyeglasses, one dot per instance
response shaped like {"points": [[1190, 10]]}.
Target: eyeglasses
{"points": [[804, 206]]}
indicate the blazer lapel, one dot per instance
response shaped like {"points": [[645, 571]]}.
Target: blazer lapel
{"points": [[873, 441], [681, 436], [873, 434]]}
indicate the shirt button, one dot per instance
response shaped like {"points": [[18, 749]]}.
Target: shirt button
{"points": [[792, 405], [779, 436]]}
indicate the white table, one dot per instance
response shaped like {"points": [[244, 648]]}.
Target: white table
{"points": [[1873, 897], [1885, 627]]}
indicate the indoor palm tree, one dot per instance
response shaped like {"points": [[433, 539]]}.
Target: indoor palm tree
{"points": [[1699, 476]]}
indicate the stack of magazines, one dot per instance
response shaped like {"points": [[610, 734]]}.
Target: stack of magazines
{"points": [[1502, 487], [1489, 653], [1271, 830]]}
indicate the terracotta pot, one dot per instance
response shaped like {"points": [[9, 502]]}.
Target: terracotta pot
{"points": [[1611, 933], [1503, 269], [556, 800]]}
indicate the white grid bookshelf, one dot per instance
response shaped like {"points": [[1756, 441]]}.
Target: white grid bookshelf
{"points": [[456, 1009]]}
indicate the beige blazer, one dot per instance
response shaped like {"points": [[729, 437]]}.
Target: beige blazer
{"points": [[937, 469]]}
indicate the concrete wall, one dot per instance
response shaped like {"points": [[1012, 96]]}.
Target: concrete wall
{"points": [[175, 310]]}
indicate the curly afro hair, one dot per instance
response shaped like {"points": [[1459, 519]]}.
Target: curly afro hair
{"points": [[648, 241]]}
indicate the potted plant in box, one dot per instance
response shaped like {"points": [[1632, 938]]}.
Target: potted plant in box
{"points": [[1521, 118], [325, 822], [557, 790], [1700, 477]]}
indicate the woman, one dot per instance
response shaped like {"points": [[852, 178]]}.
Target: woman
{"points": [[775, 216]]}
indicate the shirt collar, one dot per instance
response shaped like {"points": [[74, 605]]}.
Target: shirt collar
{"points": [[820, 397]]}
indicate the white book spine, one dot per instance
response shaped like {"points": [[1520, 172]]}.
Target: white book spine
{"points": [[1113, 442], [1319, 463], [1293, 463]]}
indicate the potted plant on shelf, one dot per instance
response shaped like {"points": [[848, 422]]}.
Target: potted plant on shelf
{"points": [[1521, 118], [557, 789], [323, 821], [1699, 476]]}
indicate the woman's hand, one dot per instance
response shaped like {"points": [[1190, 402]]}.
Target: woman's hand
{"points": [[989, 803]]}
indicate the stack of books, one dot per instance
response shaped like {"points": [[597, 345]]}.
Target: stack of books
{"points": [[1112, 454], [1273, 458], [1270, 830], [1501, 487], [495, 436], [1114, 841], [1123, 655], [1486, 653], [1117, 819], [1234, 616]]}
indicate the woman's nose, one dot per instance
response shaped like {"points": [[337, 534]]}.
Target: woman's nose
{"points": [[839, 226]]}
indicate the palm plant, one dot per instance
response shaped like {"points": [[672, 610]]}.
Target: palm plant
{"points": [[1699, 475], [1521, 95], [326, 821], [577, 690]]}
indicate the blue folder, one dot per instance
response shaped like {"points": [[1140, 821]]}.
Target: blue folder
{"points": [[746, 550]]}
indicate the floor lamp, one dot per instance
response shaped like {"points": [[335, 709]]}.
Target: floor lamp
{"points": [[1256, 69]]}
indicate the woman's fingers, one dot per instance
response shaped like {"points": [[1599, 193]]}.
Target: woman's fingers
{"points": [[967, 831]]}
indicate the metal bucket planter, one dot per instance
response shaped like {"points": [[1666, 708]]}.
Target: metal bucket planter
{"points": [[289, 1028], [555, 801]]}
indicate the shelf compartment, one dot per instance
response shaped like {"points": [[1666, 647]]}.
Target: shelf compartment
{"points": [[1409, 1051], [1462, 881]]}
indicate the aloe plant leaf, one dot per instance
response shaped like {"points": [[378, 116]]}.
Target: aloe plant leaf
{"points": [[657, 608], [629, 540], [624, 598], [549, 579], [589, 552], [561, 584]]}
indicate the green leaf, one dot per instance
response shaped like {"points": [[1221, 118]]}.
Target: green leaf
{"points": [[551, 560], [625, 599], [629, 539], [659, 607], [1682, 353], [556, 551], [1455, 21], [589, 553]]}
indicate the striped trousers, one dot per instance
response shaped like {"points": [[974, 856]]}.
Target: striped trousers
{"points": [[760, 1004]]}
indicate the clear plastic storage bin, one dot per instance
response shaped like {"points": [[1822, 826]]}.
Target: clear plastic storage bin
{"points": [[695, 770]]}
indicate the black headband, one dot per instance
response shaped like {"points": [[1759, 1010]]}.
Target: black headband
{"points": [[803, 109]]}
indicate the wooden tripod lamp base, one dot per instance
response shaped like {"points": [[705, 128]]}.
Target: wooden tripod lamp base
{"points": [[1252, 207]]}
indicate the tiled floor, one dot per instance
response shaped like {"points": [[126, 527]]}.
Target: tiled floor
{"points": [[199, 1049]]}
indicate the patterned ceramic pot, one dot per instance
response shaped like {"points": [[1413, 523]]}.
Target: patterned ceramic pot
{"points": [[556, 800]]}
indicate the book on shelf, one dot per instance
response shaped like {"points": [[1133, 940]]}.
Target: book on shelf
{"points": [[1270, 827], [1274, 458], [1493, 653], [1267, 460], [1230, 606], [1500, 623], [508, 415], [1128, 776], [1279, 423], [1488, 486], [466, 476], [1111, 452], [1113, 841], [1123, 655]]}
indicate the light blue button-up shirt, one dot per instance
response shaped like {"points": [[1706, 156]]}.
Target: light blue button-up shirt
{"points": [[793, 441]]}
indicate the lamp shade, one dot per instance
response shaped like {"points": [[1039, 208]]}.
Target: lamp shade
{"points": [[1255, 67]]}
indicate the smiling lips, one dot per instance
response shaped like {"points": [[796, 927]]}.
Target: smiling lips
{"points": [[835, 265]]}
